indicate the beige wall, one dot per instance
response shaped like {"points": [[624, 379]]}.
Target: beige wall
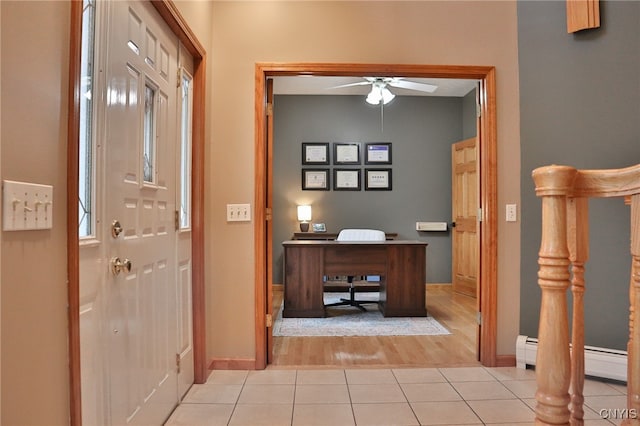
{"points": [[35, 57], [35, 38], [370, 32], [0, 232]]}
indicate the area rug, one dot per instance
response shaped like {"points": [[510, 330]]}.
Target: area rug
{"points": [[350, 321]]}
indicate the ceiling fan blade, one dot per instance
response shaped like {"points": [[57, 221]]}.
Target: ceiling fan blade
{"points": [[412, 85], [360, 83]]}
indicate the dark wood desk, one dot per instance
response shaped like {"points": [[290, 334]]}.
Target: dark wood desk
{"points": [[400, 264], [330, 235]]}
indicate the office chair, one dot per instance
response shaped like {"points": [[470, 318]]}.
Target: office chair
{"points": [[357, 235]]}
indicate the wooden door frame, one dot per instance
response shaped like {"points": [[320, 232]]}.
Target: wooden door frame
{"points": [[487, 134], [178, 25]]}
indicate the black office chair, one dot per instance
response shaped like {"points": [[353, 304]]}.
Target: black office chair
{"points": [[357, 235]]}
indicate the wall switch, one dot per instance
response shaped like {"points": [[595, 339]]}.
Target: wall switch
{"points": [[511, 213], [238, 212], [26, 206]]}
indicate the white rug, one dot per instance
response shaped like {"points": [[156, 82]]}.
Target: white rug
{"points": [[350, 321]]}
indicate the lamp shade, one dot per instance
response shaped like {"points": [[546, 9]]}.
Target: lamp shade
{"points": [[304, 213], [379, 92]]}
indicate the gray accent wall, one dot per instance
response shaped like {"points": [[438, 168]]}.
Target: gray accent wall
{"points": [[580, 106], [421, 130]]}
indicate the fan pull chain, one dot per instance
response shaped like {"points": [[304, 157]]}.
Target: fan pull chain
{"points": [[381, 117]]}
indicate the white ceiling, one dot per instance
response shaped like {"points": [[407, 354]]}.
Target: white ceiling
{"points": [[316, 85]]}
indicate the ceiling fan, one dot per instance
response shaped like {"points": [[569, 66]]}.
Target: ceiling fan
{"points": [[381, 93]]}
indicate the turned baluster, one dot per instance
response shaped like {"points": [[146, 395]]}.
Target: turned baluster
{"points": [[553, 369], [633, 346], [578, 244]]}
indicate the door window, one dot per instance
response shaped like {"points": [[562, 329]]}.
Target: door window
{"points": [[186, 92], [86, 200]]}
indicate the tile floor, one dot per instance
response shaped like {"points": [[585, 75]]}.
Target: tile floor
{"points": [[404, 396]]}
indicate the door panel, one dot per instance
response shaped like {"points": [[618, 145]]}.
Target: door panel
{"points": [[137, 318], [183, 156], [464, 211], [141, 193]]}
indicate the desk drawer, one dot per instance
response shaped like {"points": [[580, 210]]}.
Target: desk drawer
{"points": [[354, 260]]}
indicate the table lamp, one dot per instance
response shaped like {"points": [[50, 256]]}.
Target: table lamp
{"points": [[304, 216]]}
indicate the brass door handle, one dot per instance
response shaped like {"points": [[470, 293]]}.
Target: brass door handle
{"points": [[118, 265]]}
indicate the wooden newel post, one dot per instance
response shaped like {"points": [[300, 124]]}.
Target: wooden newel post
{"points": [[553, 363]]}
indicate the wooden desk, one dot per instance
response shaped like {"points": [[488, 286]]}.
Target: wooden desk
{"points": [[330, 235], [400, 264]]}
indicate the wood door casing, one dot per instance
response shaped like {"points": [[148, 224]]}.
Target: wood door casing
{"points": [[487, 136], [268, 218], [464, 210]]}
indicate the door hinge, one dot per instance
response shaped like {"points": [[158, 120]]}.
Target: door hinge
{"points": [[268, 214], [178, 76], [176, 218], [178, 361], [480, 214], [269, 109], [478, 110], [479, 318], [269, 320]]}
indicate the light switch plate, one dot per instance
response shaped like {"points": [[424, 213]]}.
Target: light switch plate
{"points": [[238, 212], [26, 206], [511, 213]]}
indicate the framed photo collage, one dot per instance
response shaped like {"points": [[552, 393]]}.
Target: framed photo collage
{"points": [[346, 175]]}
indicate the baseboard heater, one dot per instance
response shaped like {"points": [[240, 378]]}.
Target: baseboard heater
{"points": [[598, 362]]}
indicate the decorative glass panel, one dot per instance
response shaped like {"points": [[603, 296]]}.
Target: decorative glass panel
{"points": [[149, 134], [85, 181], [185, 151]]}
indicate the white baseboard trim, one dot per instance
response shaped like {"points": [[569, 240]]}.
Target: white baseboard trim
{"points": [[598, 362]]}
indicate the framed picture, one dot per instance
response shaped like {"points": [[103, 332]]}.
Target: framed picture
{"points": [[315, 179], [315, 153], [378, 153], [377, 179], [346, 153], [319, 227], [346, 179]]}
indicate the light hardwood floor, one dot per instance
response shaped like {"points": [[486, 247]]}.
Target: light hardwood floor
{"points": [[454, 311]]}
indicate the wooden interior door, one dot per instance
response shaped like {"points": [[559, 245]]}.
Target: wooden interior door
{"points": [[464, 159]]}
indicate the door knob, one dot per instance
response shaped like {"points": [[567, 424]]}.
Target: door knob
{"points": [[118, 265]]}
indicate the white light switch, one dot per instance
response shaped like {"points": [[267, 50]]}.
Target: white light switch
{"points": [[238, 212], [26, 206], [511, 213]]}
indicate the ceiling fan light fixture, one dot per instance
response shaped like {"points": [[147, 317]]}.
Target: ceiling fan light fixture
{"points": [[375, 96], [379, 93], [387, 96]]}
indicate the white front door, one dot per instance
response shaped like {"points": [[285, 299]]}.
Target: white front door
{"points": [[135, 275]]}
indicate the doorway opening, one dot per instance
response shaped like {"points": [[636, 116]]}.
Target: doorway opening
{"points": [[487, 160]]}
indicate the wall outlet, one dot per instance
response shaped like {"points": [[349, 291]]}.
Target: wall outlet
{"points": [[238, 212]]}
